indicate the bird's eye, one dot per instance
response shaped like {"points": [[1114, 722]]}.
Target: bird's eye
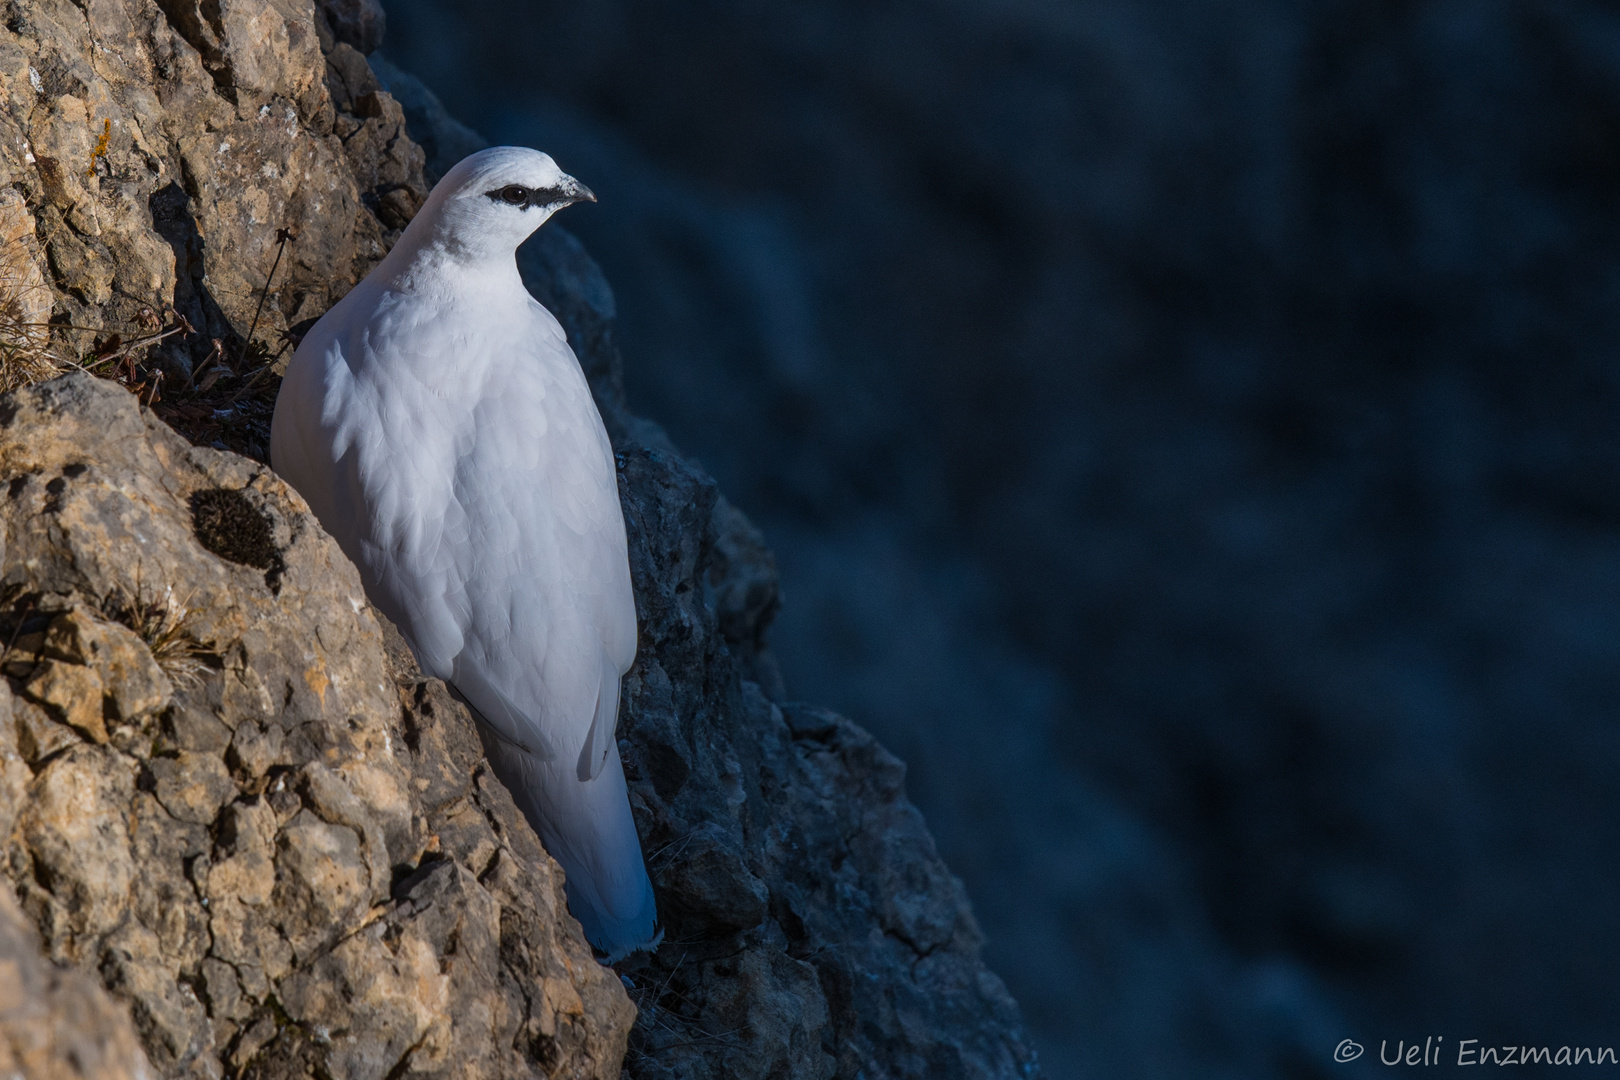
{"points": [[515, 194]]}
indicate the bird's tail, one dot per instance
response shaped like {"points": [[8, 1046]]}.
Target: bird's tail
{"points": [[587, 827]]}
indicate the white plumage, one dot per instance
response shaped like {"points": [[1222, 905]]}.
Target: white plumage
{"points": [[441, 429]]}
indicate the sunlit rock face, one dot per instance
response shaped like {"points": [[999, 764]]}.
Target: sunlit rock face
{"points": [[57, 1024], [161, 147]]}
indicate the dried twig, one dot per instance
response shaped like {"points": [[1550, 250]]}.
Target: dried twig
{"points": [[25, 355], [282, 236], [122, 349], [17, 631]]}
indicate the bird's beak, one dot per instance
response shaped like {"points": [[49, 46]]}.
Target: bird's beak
{"points": [[576, 191]]}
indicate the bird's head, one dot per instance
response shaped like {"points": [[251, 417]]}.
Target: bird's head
{"points": [[491, 201]]}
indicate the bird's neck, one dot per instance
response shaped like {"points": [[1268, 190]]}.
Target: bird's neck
{"points": [[434, 268]]}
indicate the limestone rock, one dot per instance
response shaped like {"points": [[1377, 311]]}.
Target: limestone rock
{"points": [[133, 680], [281, 859], [57, 1024], [157, 149], [72, 693], [25, 300]]}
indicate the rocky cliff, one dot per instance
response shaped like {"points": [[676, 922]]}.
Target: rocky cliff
{"points": [[227, 796]]}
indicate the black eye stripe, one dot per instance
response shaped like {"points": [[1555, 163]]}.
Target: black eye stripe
{"points": [[523, 197]]}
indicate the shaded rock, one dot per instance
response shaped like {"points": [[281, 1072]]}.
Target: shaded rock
{"points": [[742, 572], [371, 125], [348, 77], [812, 929], [441, 136], [288, 862], [36, 735], [703, 874], [360, 24]]}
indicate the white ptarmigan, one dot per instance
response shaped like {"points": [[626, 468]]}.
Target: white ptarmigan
{"points": [[441, 430]]}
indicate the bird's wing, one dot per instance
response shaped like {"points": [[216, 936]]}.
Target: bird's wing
{"points": [[593, 755], [362, 449], [371, 446], [553, 619]]}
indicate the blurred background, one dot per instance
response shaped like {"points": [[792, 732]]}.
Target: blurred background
{"points": [[1188, 433]]}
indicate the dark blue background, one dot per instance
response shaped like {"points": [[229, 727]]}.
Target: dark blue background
{"points": [[1188, 432]]}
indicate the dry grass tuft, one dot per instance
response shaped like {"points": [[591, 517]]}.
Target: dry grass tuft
{"points": [[164, 624], [226, 401], [25, 332]]}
